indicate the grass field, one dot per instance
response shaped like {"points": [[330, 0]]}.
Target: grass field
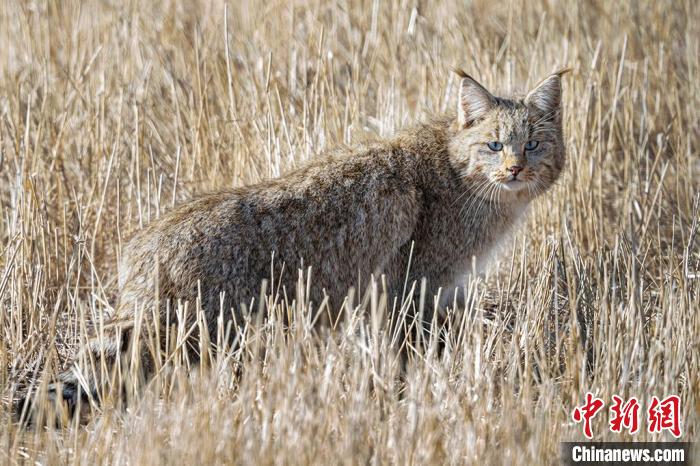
{"points": [[113, 111]]}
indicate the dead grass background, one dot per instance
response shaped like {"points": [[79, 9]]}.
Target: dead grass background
{"points": [[112, 111]]}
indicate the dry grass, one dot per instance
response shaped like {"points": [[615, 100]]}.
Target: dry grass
{"points": [[110, 112]]}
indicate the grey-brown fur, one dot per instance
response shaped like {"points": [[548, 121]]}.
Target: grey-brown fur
{"points": [[355, 211]]}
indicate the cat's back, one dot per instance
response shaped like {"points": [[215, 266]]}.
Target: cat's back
{"points": [[300, 216]]}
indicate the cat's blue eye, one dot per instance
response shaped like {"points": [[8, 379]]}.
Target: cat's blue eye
{"points": [[530, 145], [495, 146]]}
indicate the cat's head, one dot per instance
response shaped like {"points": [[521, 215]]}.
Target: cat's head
{"points": [[513, 147]]}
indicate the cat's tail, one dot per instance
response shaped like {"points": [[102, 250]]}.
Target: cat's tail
{"points": [[111, 357], [95, 370]]}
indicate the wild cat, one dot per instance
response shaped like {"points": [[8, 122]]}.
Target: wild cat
{"points": [[440, 192]]}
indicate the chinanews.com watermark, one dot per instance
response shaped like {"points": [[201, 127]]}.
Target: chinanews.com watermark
{"points": [[600, 453], [660, 415]]}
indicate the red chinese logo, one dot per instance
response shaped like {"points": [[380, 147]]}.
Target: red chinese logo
{"points": [[661, 414], [587, 412], [665, 415], [626, 415]]}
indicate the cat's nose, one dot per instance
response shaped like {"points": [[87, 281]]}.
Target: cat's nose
{"points": [[515, 169]]}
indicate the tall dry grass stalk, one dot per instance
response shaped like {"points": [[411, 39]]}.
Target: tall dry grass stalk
{"points": [[111, 112]]}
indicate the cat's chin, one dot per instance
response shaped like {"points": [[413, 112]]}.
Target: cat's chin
{"points": [[512, 185]]}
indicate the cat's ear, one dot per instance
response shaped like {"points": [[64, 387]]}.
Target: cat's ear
{"points": [[474, 101], [546, 96]]}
